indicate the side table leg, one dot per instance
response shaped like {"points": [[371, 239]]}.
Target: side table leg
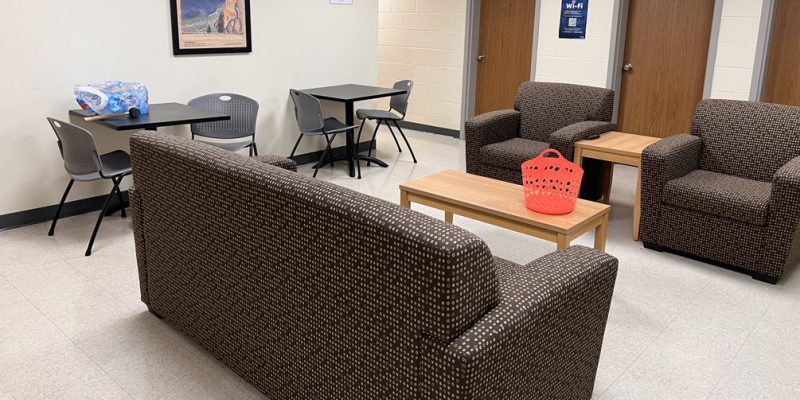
{"points": [[601, 234], [609, 178], [562, 242], [448, 217], [637, 208]]}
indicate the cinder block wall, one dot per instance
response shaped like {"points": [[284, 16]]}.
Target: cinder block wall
{"points": [[423, 40]]}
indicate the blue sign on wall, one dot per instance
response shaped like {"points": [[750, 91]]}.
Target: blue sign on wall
{"points": [[574, 14]]}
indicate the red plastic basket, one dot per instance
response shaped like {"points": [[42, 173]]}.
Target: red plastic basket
{"points": [[551, 184]]}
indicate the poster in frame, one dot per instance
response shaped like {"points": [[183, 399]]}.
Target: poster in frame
{"points": [[211, 27]]}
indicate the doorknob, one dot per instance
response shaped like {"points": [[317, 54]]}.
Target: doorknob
{"points": [[627, 67], [481, 57]]}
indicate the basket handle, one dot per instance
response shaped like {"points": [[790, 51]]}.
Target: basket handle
{"points": [[551, 151]]}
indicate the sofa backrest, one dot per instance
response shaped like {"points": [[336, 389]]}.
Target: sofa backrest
{"points": [[277, 273], [745, 138], [547, 107]]}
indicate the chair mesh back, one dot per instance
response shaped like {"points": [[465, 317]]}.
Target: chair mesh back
{"points": [[77, 148], [308, 111], [399, 103], [243, 111]]}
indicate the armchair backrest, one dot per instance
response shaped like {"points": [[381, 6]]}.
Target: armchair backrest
{"points": [[547, 107], [745, 138]]}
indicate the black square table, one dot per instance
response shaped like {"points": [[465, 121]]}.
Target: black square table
{"points": [[164, 114], [349, 94]]}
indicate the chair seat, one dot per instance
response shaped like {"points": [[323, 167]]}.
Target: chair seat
{"points": [[512, 153], [230, 146], [114, 164], [377, 114], [331, 125], [721, 195]]}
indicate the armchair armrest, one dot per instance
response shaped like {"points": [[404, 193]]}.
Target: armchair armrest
{"points": [[564, 139], [278, 161], [492, 127], [543, 339], [784, 218]]}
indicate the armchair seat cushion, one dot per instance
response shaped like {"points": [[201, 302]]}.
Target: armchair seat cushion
{"points": [[721, 195], [511, 154]]}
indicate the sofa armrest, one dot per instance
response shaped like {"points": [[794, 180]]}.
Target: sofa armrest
{"points": [[492, 127], [564, 139], [784, 218], [542, 340], [278, 161]]}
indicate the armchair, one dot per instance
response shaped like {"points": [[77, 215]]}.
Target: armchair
{"points": [[730, 190], [545, 115]]}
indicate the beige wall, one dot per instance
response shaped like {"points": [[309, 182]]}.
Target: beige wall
{"points": [[423, 40], [736, 49], [297, 44], [578, 61]]}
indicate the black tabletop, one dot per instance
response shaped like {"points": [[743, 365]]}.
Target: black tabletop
{"points": [[347, 93], [165, 114]]}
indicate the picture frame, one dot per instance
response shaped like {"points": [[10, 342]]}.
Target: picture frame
{"points": [[211, 27]]}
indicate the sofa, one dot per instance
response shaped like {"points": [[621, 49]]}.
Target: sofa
{"points": [[308, 290], [729, 191], [545, 115]]}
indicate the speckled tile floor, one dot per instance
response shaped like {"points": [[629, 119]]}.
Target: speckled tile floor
{"points": [[73, 327]]}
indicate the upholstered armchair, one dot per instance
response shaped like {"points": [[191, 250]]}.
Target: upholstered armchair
{"points": [[545, 115], [729, 191]]}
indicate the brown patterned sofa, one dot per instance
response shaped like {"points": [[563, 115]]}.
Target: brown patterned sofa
{"points": [[545, 115], [308, 290], [730, 190]]}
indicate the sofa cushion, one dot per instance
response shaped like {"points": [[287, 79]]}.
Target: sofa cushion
{"points": [[721, 195], [512, 153]]}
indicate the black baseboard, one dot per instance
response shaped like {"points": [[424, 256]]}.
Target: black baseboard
{"points": [[44, 214], [431, 129], [315, 156]]}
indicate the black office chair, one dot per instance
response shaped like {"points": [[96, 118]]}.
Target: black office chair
{"points": [[308, 111], [398, 103], [244, 113], [83, 164]]}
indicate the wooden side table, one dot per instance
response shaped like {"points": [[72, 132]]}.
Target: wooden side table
{"points": [[617, 148]]}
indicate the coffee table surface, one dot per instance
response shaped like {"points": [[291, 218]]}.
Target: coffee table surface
{"points": [[502, 199]]}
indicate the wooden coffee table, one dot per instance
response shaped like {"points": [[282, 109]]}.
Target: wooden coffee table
{"points": [[503, 204], [619, 148]]}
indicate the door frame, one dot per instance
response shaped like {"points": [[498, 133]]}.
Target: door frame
{"points": [[471, 49], [761, 67], [617, 56]]}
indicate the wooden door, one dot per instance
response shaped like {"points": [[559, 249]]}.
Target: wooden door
{"points": [[506, 41], [783, 67], [667, 45]]}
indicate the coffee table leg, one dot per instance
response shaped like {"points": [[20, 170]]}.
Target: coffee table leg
{"points": [[562, 242], [404, 199], [637, 208], [601, 234], [448, 217]]}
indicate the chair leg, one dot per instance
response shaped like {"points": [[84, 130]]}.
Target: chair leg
{"points": [[100, 219], [405, 139], [358, 142], [296, 144], [330, 141], [322, 159], [60, 206], [394, 136], [251, 150], [119, 197], [372, 142], [254, 147]]}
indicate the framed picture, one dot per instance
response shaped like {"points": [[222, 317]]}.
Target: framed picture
{"points": [[210, 26]]}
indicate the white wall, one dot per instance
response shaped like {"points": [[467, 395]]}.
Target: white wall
{"points": [[423, 40], [583, 62], [297, 44], [736, 49]]}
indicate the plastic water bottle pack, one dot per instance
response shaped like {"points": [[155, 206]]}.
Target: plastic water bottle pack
{"points": [[112, 97]]}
